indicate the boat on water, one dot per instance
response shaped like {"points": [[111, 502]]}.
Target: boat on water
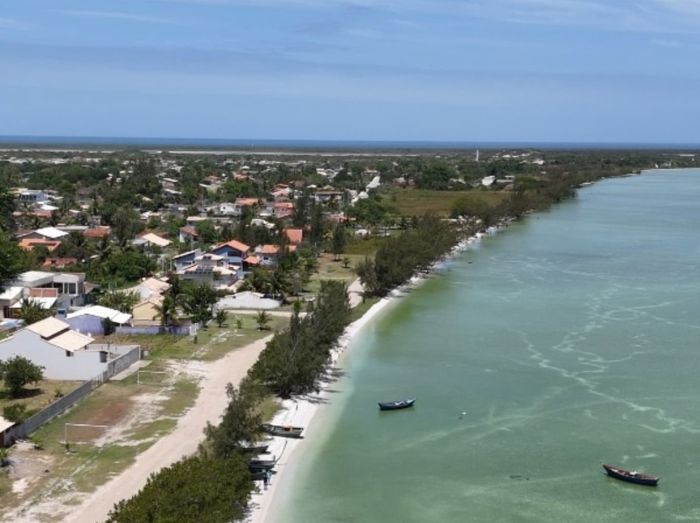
{"points": [[631, 476], [396, 405], [284, 431]]}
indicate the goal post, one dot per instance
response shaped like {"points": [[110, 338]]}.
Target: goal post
{"points": [[82, 433], [155, 378]]}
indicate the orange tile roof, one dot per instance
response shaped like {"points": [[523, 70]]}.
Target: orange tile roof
{"points": [[247, 201], [295, 236], [59, 263], [29, 244], [97, 232], [252, 260], [239, 246], [268, 249]]}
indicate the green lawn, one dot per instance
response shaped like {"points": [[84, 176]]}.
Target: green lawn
{"points": [[39, 395], [417, 202], [211, 343]]}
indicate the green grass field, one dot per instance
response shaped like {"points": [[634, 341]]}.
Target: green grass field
{"points": [[417, 202]]}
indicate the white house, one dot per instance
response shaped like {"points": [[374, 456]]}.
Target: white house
{"points": [[64, 353]]}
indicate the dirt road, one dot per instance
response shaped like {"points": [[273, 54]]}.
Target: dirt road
{"points": [[183, 441]]}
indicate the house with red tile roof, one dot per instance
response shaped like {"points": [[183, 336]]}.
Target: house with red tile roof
{"points": [[294, 236], [29, 244], [97, 232]]}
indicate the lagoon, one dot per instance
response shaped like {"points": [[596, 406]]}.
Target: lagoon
{"points": [[565, 341]]}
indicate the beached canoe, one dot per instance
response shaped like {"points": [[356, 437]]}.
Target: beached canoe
{"points": [[631, 476], [260, 449], [261, 464], [396, 405], [282, 430]]}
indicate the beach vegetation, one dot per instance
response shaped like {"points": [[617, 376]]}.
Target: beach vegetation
{"points": [[192, 490]]}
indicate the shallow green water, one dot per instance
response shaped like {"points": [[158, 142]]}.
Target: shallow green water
{"points": [[569, 340]]}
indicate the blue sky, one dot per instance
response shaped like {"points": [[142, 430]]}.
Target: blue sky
{"points": [[470, 70]]}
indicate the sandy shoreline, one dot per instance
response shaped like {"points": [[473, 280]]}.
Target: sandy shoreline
{"points": [[302, 411]]}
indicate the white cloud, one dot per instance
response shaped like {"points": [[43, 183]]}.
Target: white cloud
{"points": [[120, 16], [11, 23]]}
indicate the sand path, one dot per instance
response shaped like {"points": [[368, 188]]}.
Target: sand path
{"points": [[181, 442]]}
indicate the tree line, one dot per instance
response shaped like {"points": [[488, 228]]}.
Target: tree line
{"points": [[403, 255], [216, 483]]}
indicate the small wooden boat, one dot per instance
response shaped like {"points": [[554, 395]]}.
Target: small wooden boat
{"points": [[264, 464], [260, 449], [396, 405], [282, 430], [631, 476]]}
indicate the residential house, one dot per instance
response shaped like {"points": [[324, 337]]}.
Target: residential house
{"points": [[188, 234], [70, 286], [233, 251], [97, 233], [283, 210], [64, 354], [185, 259], [33, 196], [29, 244], [268, 255], [151, 288], [294, 236], [213, 270], [328, 195], [228, 209], [147, 312], [91, 320], [45, 233], [150, 240]]}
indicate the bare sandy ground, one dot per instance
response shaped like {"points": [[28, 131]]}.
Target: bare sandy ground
{"points": [[182, 442]]}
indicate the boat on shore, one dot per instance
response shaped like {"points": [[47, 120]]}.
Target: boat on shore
{"points": [[285, 431], [631, 476], [255, 465], [396, 405], [259, 449]]}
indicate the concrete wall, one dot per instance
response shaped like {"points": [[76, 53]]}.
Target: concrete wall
{"points": [[83, 365]]}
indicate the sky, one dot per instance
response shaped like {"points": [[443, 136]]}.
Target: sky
{"points": [[621, 71]]}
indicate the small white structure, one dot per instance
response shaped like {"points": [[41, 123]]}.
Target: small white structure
{"points": [[64, 353], [104, 313], [488, 181], [247, 300]]}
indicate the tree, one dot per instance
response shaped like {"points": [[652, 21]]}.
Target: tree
{"points": [[123, 301], [221, 317], [125, 224], [193, 490], [32, 311], [262, 320], [18, 372], [339, 241], [13, 259], [206, 231], [199, 303], [240, 424]]}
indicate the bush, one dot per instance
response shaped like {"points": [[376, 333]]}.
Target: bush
{"points": [[15, 413]]}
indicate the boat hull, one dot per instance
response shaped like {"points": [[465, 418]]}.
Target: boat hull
{"points": [[396, 405], [631, 477], [283, 431]]}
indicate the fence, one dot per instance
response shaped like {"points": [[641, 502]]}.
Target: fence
{"points": [[24, 429], [182, 330]]}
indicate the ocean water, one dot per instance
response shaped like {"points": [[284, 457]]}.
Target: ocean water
{"points": [[566, 341]]}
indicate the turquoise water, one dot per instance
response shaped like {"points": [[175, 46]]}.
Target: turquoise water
{"points": [[568, 340]]}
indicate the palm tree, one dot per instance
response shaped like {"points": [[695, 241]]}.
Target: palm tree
{"points": [[31, 311], [263, 319]]}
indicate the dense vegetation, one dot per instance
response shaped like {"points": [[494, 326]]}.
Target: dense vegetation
{"points": [[295, 358], [401, 256], [193, 490]]}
